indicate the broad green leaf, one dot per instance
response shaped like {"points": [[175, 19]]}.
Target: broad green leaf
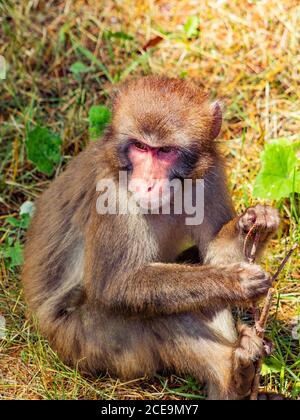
{"points": [[191, 27], [99, 117], [279, 176], [13, 255], [283, 141], [43, 149], [79, 67]]}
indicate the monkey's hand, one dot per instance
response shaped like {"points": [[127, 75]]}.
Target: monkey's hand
{"points": [[264, 218], [252, 282]]}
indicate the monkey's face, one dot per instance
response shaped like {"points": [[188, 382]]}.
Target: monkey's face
{"points": [[156, 172], [164, 130], [152, 169]]}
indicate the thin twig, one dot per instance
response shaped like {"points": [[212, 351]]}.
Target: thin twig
{"points": [[284, 261], [260, 326], [268, 302]]}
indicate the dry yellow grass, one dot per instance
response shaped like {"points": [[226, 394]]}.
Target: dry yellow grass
{"points": [[246, 52]]}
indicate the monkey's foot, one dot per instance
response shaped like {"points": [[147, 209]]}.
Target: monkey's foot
{"points": [[271, 396], [249, 349]]}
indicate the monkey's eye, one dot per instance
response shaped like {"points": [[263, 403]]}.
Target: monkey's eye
{"points": [[166, 150], [139, 145]]}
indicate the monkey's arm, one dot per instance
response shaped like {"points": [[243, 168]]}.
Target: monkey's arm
{"points": [[228, 246], [120, 273], [159, 288]]}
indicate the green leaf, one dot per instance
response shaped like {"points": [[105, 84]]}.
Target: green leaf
{"points": [[13, 221], [21, 223], [14, 255], [279, 176], [79, 67], [191, 27], [43, 149], [99, 117], [25, 220]]}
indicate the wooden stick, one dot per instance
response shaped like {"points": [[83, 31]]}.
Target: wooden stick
{"points": [[260, 331], [268, 302], [260, 326]]}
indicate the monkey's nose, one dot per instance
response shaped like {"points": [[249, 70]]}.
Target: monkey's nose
{"points": [[150, 187]]}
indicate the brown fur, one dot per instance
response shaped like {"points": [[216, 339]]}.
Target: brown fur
{"points": [[106, 289]]}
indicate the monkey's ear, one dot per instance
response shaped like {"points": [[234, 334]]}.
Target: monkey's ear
{"points": [[216, 110]]}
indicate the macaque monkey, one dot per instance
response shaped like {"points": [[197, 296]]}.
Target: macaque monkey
{"points": [[108, 290]]}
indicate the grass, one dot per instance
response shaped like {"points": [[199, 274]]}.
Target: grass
{"points": [[246, 52]]}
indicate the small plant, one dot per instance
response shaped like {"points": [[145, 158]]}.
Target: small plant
{"points": [[99, 117], [279, 177], [11, 250], [43, 149], [191, 27], [79, 69]]}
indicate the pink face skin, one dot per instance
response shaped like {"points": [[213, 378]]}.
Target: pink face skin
{"points": [[151, 168]]}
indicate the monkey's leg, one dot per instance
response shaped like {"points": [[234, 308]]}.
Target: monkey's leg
{"points": [[247, 348], [214, 356], [188, 347]]}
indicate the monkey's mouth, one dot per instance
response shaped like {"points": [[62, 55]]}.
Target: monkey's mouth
{"points": [[152, 195], [152, 204]]}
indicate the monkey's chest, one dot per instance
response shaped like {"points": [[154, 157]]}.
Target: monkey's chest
{"points": [[168, 238]]}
